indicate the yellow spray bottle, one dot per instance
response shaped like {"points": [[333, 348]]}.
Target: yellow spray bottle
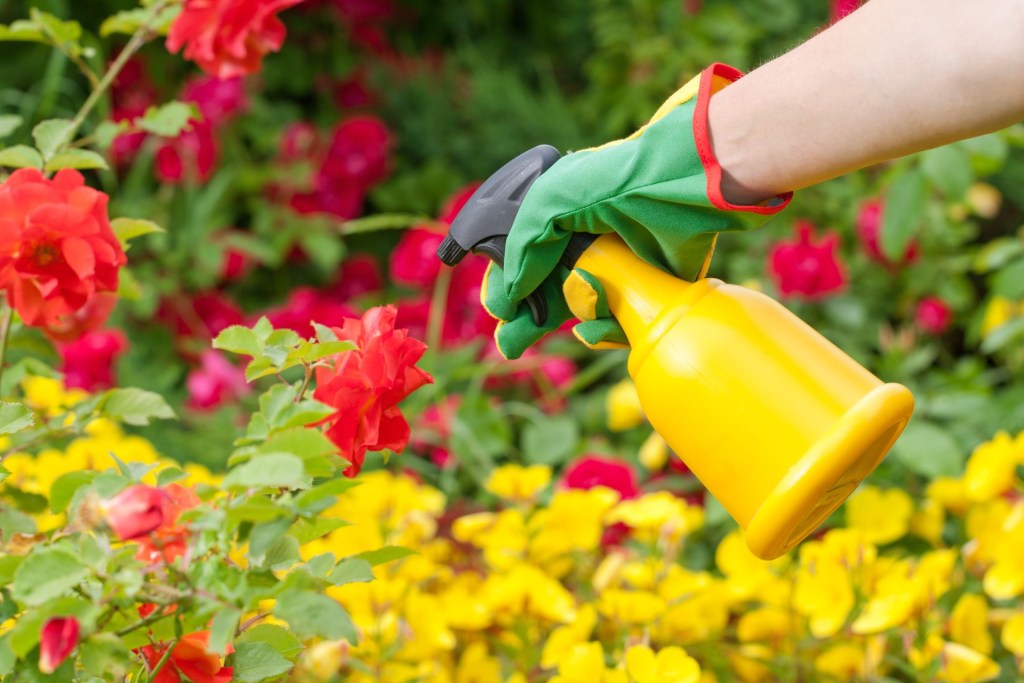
{"points": [[777, 422]]}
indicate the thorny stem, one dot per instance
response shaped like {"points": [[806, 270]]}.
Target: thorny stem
{"points": [[305, 383], [249, 622], [137, 40], [435, 323]]}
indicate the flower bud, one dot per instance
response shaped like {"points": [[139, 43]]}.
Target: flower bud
{"points": [[56, 641], [136, 511]]}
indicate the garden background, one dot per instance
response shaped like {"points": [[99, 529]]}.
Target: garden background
{"points": [[266, 510]]}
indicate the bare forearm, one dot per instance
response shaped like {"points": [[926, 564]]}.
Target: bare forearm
{"points": [[894, 78]]}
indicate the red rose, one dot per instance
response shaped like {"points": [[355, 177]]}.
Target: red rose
{"points": [[192, 156], [357, 276], [933, 315], [190, 658], [131, 94], [358, 152], [869, 230], [413, 260], [807, 269], [218, 99], [88, 362], [353, 92], [306, 306], [840, 8], [169, 539], [216, 381], [363, 11], [593, 470], [365, 385], [202, 317], [57, 250], [136, 511], [57, 639], [228, 38], [90, 317]]}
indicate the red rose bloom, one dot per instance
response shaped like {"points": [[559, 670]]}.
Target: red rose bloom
{"points": [[218, 99], [90, 317], [807, 269], [169, 539], [88, 363], [840, 8], [593, 470], [57, 639], [192, 156], [190, 658], [357, 276], [136, 511], [57, 250], [228, 38], [215, 382], [306, 306], [933, 315], [365, 385], [414, 261], [358, 153], [869, 230]]}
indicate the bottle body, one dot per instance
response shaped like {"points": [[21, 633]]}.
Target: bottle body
{"points": [[776, 421]]}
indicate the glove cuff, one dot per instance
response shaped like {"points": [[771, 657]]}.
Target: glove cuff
{"points": [[712, 79]]}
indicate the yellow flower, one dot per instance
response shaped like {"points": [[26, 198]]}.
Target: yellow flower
{"points": [[654, 452], [518, 483], [928, 522], [571, 522], [882, 516], [428, 623], [502, 535], [984, 199], [746, 574], [843, 662], [961, 664], [698, 606], [949, 493], [325, 659], [463, 604], [658, 514], [630, 607], [767, 624], [584, 663], [624, 410], [968, 623], [748, 663], [824, 595], [1013, 634], [477, 665], [992, 468], [564, 638], [1000, 311], [49, 396], [670, 665], [525, 590]]}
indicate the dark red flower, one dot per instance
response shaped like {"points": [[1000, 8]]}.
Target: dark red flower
{"points": [[869, 230], [363, 11], [806, 269], [192, 156], [132, 93], [88, 363], [413, 260], [358, 154], [215, 382], [353, 92], [57, 249], [228, 38], [136, 511], [413, 315], [593, 470], [307, 305], [58, 638], [190, 658], [933, 315], [218, 99], [365, 385], [358, 275]]}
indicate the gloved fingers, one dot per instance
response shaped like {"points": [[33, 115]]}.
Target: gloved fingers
{"points": [[603, 333], [585, 295], [492, 294], [532, 252], [518, 330]]}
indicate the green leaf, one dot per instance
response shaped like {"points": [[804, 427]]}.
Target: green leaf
{"points": [[59, 30], [239, 339], [135, 406], [277, 470], [309, 444], [14, 417], [388, 553], [278, 637], [351, 570], [326, 491], [948, 168], [9, 123], [127, 229], [1009, 280], [904, 210], [997, 253], [45, 575], [382, 221], [22, 30], [314, 614], [256, 509], [324, 334], [1008, 333], [306, 530], [103, 655], [222, 629], [169, 476], [283, 554], [21, 156], [75, 158], [128, 22], [168, 120], [927, 449], [256, 661], [548, 441], [4, 473], [322, 350], [51, 135], [64, 489], [127, 286], [8, 565], [15, 521]]}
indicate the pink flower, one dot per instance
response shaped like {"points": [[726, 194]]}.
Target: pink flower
{"points": [[192, 156], [215, 382], [305, 306], [841, 8], [228, 38], [593, 470], [413, 260], [218, 99], [136, 511], [358, 153], [359, 275], [300, 142], [88, 363], [933, 315], [57, 639], [805, 269], [869, 230]]}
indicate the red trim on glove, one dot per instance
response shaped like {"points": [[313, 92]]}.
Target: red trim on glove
{"points": [[712, 170]]}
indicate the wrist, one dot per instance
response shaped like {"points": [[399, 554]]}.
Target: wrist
{"points": [[734, 147]]}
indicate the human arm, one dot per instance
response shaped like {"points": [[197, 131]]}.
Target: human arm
{"points": [[893, 78]]}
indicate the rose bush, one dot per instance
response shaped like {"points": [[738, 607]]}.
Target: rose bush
{"points": [[202, 220]]}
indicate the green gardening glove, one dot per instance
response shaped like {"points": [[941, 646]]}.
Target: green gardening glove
{"points": [[569, 294], [658, 189]]}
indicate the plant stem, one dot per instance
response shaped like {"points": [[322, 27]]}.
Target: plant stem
{"points": [[5, 333], [137, 40], [435, 322], [163, 660]]}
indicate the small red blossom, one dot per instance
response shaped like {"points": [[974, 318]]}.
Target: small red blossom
{"points": [[363, 11], [201, 317], [228, 38], [869, 231], [806, 269], [353, 92], [136, 511], [132, 93], [300, 142], [413, 260], [933, 315], [215, 382], [307, 305], [365, 385], [593, 470], [841, 8], [359, 275], [88, 363], [57, 249], [190, 658], [190, 157], [59, 636], [169, 540], [218, 99], [358, 153]]}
